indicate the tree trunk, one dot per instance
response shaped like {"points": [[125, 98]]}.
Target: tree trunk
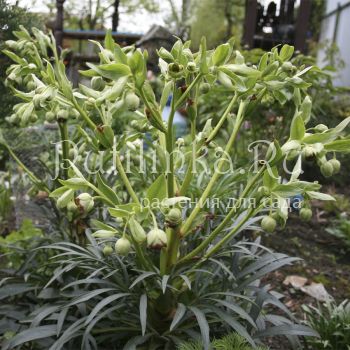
{"points": [[184, 25], [115, 17]]}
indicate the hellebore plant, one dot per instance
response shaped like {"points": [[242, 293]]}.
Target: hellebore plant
{"points": [[151, 269]]}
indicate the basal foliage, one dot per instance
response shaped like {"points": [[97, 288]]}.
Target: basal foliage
{"points": [[143, 267]]}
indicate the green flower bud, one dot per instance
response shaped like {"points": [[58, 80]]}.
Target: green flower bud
{"points": [[287, 66], [11, 44], [267, 100], [65, 198], [308, 151], [191, 67], [97, 83], [156, 239], [335, 164], [90, 103], [31, 66], [107, 250], [175, 70], [268, 224], [132, 102], [104, 234], [72, 207], [321, 128], [137, 231], [180, 142], [305, 214], [62, 114], [122, 246], [85, 202], [30, 86], [165, 55], [174, 217], [50, 116], [327, 169], [33, 118], [204, 88]]}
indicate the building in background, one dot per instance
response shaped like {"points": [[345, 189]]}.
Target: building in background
{"points": [[335, 30]]}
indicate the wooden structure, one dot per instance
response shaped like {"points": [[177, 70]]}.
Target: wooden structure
{"points": [[155, 38], [61, 33], [264, 28], [76, 60]]}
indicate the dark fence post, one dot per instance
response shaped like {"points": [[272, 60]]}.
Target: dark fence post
{"points": [[302, 25], [250, 22], [336, 26], [59, 23]]}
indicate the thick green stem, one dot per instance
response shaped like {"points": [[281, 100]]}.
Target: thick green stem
{"points": [[227, 219], [189, 172], [169, 149], [222, 119], [218, 171], [183, 97], [125, 179], [230, 235], [173, 248], [187, 179], [86, 118], [65, 147]]}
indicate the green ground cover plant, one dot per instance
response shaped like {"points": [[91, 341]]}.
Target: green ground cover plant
{"points": [[148, 261], [332, 322]]}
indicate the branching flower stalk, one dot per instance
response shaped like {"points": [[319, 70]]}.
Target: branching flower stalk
{"points": [[238, 122], [159, 240]]}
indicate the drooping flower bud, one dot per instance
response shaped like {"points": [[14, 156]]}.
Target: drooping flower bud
{"points": [[321, 128], [137, 231], [156, 239], [204, 88], [132, 101], [122, 246], [97, 83], [107, 250], [191, 67], [180, 142], [174, 217], [327, 169], [287, 66], [268, 224], [308, 151], [175, 70], [33, 118], [305, 214], [72, 207], [30, 85], [335, 164], [50, 116], [85, 202], [62, 114]]}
